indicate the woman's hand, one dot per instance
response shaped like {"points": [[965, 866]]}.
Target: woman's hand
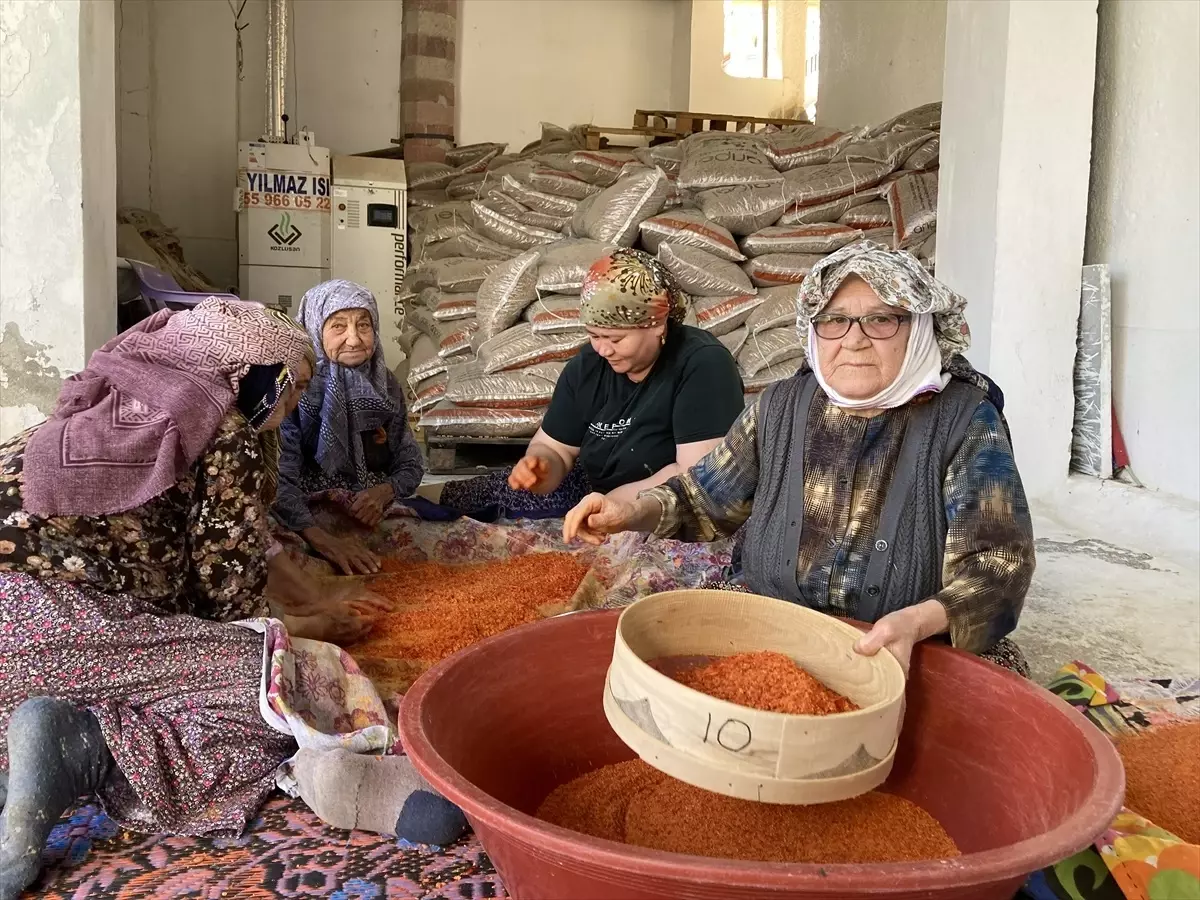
{"points": [[357, 597], [370, 505], [341, 628], [598, 516], [901, 630], [346, 554], [530, 473]]}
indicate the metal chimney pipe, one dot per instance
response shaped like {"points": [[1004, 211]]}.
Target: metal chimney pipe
{"points": [[275, 130]]}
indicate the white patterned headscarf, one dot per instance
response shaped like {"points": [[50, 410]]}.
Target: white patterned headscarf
{"points": [[899, 280]]}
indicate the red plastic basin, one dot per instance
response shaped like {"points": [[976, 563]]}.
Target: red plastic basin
{"points": [[1018, 778]]}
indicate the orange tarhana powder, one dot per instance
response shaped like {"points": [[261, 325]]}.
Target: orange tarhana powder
{"points": [[765, 680], [443, 609], [635, 804]]}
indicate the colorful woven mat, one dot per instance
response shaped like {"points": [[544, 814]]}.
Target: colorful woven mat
{"points": [[1133, 859]]}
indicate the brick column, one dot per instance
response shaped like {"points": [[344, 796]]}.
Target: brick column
{"points": [[427, 78]]}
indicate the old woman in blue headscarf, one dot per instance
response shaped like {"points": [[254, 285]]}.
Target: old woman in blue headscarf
{"points": [[350, 430]]}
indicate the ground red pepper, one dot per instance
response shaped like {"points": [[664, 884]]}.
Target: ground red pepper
{"points": [[635, 804], [443, 609], [1162, 778], [767, 681]]}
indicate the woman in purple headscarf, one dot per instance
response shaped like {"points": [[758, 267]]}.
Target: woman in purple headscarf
{"points": [[350, 430]]}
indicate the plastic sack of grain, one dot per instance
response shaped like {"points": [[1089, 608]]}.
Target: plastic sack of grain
{"points": [[821, 238], [554, 314], [426, 251], [885, 235], [507, 230], [426, 199], [530, 388], [448, 420], [520, 347], [561, 184], [565, 264], [927, 116], [452, 307], [461, 275], [925, 156], [926, 251], [425, 361], [479, 247], [875, 214], [810, 185], [519, 171], [421, 318], [498, 201], [769, 348], [778, 308], [427, 176], [891, 149], [824, 213], [466, 187], [714, 159], [602, 167], [734, 340], [689, 228], [504, 294], [457, 340], [721, 315], [803, 145], [429, 393], [702, 274], [446, 221], [473, 153], [614, 216], [578, 226], [744, 208], [767, 376], [781, 268], [534, 219], [913, 204], [538, 201], [668, 156]]}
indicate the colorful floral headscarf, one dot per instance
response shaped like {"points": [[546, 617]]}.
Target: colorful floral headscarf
{"points": [[899, 280], [630, 289]]}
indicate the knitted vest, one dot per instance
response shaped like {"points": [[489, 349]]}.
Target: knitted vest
{"points": [[905, 565]]}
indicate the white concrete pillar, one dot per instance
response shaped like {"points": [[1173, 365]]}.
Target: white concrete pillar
{"points": [[1012, 206], [58, 195]]}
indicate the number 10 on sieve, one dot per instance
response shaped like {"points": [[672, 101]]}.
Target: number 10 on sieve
{"points": [[254, 199]]}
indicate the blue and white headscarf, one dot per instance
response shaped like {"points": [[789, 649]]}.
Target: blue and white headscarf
{"points": [[343, 402]]}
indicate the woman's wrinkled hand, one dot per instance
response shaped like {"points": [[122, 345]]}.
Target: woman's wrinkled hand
{"points": [[359, 598], [346, 554], [370, 506], [899, 631], [530, 473], [343, 628], [597, 516]]}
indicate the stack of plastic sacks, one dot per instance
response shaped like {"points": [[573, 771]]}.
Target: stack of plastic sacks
{"points": [[501, 243]]}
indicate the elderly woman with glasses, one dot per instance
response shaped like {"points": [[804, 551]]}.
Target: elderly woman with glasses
{"points": [[878, 483]]}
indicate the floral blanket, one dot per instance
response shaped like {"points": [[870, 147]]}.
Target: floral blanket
{"points": [[1133, 859]]}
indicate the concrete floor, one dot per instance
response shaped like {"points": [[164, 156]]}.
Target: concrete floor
{"points": [[1121, 611]]}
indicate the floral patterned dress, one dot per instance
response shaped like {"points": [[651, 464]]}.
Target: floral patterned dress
{"points": [[122, 614]]}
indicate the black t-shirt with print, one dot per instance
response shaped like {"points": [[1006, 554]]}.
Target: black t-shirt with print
{"points": [[627, 431]]}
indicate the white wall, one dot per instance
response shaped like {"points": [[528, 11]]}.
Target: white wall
{"points": [[712, 91], [180, 102], [57, 198], [1144, 221], [879, 58], [563, 61]]}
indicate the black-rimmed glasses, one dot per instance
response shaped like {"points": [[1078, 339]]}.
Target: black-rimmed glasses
{"points": [[879, 326]]}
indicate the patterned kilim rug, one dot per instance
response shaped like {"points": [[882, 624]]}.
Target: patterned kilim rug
{"points": [[286, 852]]}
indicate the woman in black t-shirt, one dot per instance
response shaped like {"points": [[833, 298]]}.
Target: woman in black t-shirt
{"points": [[646, 400]]}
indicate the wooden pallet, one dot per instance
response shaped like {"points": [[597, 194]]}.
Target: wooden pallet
{"points": [[684, 123], [595, 135], [449, 455]]}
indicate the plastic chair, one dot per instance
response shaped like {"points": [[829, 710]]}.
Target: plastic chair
{"points": [[152, 290]]}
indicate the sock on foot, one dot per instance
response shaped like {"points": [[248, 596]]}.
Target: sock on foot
{"points": [[385, 795], [56, 754]]}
